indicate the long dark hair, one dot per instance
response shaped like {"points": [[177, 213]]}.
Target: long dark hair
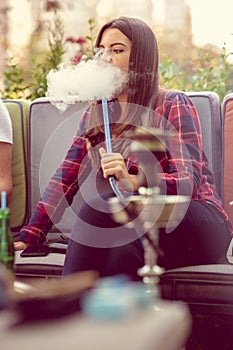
{"points": [[144, 58], [143, 85]]}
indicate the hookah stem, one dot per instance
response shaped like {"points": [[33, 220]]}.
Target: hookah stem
{"points": [[111, 179], [139, 231]]}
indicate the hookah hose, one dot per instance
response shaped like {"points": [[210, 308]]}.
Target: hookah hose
{"points": [[111, 178]]}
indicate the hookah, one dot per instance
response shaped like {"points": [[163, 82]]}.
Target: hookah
{"points": [[148, 211]]}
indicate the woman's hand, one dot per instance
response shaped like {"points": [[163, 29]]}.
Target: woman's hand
{"points": [[20, 245], [113, 164]]}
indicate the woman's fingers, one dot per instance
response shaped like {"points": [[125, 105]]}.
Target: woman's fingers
{"points": [[20, 245], [112, 164], [110, 157], [102, 151]]}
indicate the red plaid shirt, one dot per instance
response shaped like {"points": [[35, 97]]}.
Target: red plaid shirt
{"points": [[183, 168]]}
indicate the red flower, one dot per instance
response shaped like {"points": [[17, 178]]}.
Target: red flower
{"points": [[79, 41], [76, 59]]}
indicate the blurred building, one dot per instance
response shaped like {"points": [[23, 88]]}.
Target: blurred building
{"points": [[176, 12], [177, 29], [177, 19], [134, 8]]}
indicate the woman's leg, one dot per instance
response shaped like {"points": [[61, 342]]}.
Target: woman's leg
{"points": [[201, 238], [126, 259], [98, 243]]}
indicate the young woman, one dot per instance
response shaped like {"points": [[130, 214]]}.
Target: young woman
{"points": [[6, 140], [97, 242]]}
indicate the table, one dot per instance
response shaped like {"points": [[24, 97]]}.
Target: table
{"points": [[165, 327]]}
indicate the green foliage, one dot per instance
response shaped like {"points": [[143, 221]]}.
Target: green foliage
{"points": [[171, 77], [205, 70], [208, 71], [51, 61], [15, 83], [91, 38]]}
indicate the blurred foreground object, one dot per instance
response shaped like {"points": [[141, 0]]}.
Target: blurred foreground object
{"points": [[7, 254], [167, 329], [47, 299]]}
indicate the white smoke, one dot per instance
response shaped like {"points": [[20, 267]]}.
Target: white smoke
{"points": [[88, 81]]}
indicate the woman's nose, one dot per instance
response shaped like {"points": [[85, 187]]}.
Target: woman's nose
{"points": [[104, 54]]}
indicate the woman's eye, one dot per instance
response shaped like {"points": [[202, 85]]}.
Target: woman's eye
{"points": [[118, 50]]}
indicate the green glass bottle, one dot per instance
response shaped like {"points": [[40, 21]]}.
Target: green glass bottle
{"points": [[7, 254]]}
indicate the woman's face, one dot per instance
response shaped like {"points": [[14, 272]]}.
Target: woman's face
{"points": [[116, 48]]}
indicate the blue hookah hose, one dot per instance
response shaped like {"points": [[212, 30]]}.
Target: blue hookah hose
{"points": [[111, 178]]}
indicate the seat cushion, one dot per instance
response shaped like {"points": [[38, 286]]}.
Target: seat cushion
{"points": [[207, 104], [49, 266], [199, 284], [228, 148], [50, 133], [18, 110]]}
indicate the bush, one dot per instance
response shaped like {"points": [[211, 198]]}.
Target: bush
{"points": [[17, 85], [206, 71]]}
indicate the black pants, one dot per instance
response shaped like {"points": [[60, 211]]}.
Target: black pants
{"points": [[98, 243]]}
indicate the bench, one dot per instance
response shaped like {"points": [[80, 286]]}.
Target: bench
{"points": [[42, 135]]}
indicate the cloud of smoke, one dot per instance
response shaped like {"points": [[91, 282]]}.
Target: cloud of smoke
{"points": [[88, 81]]}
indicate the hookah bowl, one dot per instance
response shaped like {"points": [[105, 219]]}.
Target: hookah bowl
{"points": [[148, 211]]}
